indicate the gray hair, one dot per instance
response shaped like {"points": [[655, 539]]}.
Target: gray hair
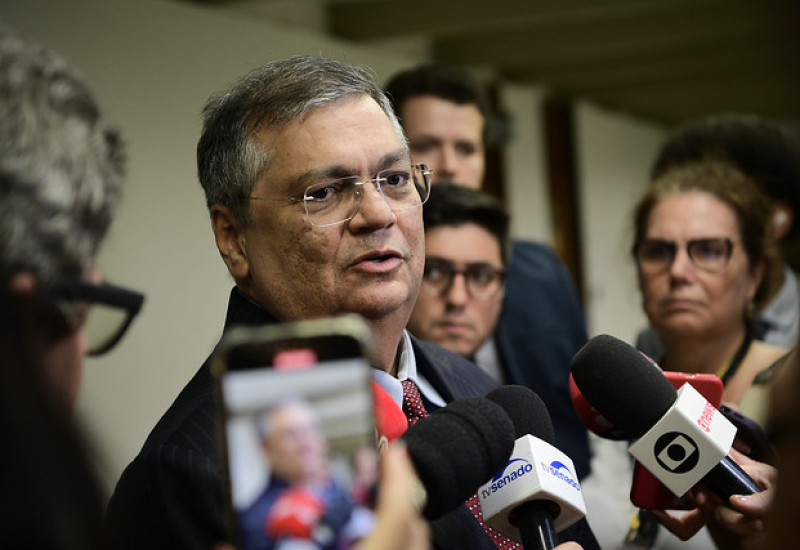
{"points": [[229, 159], [61, 165]]}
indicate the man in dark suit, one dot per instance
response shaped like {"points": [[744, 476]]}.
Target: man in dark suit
{"points": [[541, 324], [466, 253], [316, 210]]}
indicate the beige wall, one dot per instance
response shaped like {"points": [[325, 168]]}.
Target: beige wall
{"points": [[152, 64], [614, 156]]}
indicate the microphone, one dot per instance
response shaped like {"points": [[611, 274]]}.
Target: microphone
{"points": [[536, 494], [590, 418], [681, 438], [456, 449], [709, 385], [294, 514], [390, 420]]}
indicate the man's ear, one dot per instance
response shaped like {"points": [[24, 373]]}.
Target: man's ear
{"points": [[229, 235], [757, 274], [22, 284], [782, 218]]}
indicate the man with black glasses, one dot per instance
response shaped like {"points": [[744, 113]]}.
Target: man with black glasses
{"points": [[466, 249], [61, 169], [61, 172]]}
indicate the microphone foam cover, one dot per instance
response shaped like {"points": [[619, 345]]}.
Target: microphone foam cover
{"points": [[457, 449], [622, 384], [527, 411]]}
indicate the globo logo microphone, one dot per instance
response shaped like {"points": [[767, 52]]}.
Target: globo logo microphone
{"points": [[686, 443], [535, 471]]}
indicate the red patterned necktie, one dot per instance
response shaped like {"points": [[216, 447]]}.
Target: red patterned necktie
{"points": [[501, 541], [412, 403], [415, 411]]}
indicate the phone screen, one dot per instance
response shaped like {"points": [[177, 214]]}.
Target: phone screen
{"points": [[299, 438]]}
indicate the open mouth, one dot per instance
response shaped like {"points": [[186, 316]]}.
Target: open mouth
{"points": [[379, 261], [379, 257]]}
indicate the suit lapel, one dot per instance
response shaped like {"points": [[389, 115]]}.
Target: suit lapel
{"points": [[451, 375]]}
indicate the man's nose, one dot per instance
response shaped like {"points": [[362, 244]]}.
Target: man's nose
{"points": [[448, 164], [374, 208], [457, 293]]}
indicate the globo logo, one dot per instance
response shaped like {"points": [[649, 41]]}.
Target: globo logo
{"points": [[676, 452]]}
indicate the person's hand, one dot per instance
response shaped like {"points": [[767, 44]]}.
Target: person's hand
{"points": [[687, 525], [739, 523], [742, 524], [399, 525]]}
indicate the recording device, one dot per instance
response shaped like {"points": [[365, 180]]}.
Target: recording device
{"points": [[590, 418], [536, 494], [646, 491], [390, 420], [707, 384], [456, 449], [296, 403], [681, 438]]}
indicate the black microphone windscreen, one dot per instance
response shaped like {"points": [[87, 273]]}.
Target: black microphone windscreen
{"points": [[457, 449], [622, 384], [527, 411]]}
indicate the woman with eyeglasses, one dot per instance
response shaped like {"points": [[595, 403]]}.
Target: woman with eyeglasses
{"points": [[706, 260]]}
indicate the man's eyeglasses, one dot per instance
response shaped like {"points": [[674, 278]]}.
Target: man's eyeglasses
{"points": [[483, 280], [103, 311], [656, 255], [336, 200]]}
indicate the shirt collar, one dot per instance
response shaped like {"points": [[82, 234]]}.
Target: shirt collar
{"points": [[406, 370]]}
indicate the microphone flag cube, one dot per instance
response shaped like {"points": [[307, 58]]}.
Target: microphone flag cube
{"points": [[536, 471], [686, 443]]}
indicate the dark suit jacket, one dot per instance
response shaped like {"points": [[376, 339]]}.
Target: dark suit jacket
{"points": [[170, 496], [541, 327]]}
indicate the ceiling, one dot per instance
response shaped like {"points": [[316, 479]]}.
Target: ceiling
{"points": [[664, 60]]}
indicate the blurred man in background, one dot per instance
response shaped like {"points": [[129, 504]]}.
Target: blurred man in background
{"points": [[541, 324], [466, 246]]}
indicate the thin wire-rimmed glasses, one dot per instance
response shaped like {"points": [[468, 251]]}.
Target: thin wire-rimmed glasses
{"points": [[656, 255], [103, 311], [336, 200], [483, 280]]}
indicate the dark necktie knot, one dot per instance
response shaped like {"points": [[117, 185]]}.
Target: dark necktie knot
{"points": [[412, 403]]}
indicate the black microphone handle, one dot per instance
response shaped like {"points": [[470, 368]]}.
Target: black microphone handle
{"points": [[534, 519], [727, 478]]}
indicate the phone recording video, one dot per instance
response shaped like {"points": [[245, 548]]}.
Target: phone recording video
{"points": [[299, 436]]}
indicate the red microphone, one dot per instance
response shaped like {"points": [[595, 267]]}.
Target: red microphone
{"points": [[390, 420], [294, 514]]}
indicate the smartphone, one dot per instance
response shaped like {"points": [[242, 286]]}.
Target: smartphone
{"points": [[646, 490], [297, 433]]}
